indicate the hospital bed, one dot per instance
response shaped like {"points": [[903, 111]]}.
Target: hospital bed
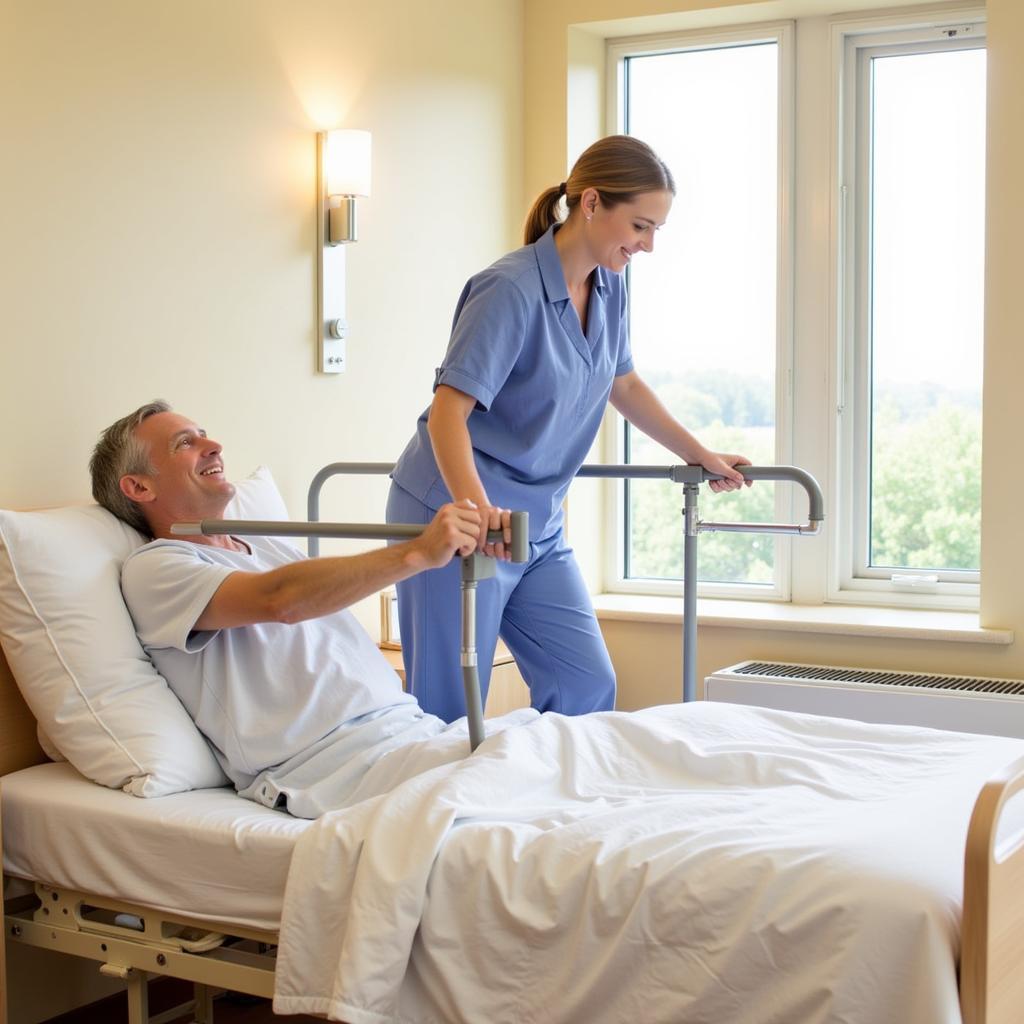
{"points": [[199, 891]]}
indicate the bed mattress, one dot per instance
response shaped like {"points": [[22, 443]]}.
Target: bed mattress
{"points": [[207, 853]]}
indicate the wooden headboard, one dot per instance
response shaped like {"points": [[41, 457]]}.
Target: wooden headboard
{"points": [[19, 747]]}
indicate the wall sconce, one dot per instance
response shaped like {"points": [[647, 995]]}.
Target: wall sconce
{"points": [[343, 175]]}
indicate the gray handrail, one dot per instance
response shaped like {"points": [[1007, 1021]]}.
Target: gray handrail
{"points": [[698, 474], [691, 477], [681, 474], [519, 547], [336, 469]]}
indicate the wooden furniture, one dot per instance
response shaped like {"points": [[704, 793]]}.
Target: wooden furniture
{"points": [[992, 929], [506, 692]]}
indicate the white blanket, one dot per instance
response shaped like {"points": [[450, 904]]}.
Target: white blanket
{"points": [[706, 863]]}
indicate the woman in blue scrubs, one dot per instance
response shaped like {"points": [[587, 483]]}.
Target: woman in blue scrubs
{"points": [[539, 346]]}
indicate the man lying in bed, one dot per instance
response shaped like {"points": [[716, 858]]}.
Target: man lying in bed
{"points": [[296, 700]]}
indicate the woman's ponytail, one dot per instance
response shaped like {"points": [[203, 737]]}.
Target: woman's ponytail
{"points": [[543, 214]]}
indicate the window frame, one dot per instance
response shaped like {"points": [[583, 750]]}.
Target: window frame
{"points": [[852, 578], [820, 410], [618, 51]]}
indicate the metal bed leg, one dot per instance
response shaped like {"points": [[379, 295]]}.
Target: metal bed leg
{"points": [[137, 984], [138, 997], [690, 532], [204, 1004]]}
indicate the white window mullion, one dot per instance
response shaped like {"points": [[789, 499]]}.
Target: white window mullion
{"points": [[790, 506], [815, 257]]}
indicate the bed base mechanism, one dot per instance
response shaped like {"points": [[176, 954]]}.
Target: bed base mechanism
{"points": [[133, 943], [98, 916]]}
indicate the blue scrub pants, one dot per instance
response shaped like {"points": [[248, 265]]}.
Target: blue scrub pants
{"points": [[541, 609]]}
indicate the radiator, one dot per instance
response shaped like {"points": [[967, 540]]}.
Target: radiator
{"points": [[993, 707]]}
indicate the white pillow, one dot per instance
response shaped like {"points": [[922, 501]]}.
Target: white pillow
{"points": [[72, 648], [257, 497]]}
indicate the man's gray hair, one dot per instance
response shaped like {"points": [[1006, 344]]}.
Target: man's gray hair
{"points": [[117, 453]]}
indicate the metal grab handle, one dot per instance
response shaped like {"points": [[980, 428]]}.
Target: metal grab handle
{"points": [[815, 502], [690, 477], [698, 475], [519, 548], [683, 474]]}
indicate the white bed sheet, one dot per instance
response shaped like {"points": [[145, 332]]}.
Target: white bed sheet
{"points": [[702, 863], [206, 853]]}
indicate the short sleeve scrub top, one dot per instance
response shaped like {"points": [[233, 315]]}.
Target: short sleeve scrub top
{"points": [[541, 383]]}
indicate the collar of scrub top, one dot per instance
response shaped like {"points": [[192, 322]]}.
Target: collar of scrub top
{"points": [[551, 273]]}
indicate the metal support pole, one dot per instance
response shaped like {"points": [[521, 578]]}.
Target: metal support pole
{"points": [[690, 533], [470, 668], [475, 567]]}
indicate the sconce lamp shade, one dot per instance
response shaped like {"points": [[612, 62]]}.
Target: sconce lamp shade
{"points": [[347, 162]]}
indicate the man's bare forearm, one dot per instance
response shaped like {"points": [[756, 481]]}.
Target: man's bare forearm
{"points": [[319, 586], [309, 589]]}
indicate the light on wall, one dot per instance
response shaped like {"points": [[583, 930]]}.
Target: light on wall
{"points": [[343, 176], [347, 168]]}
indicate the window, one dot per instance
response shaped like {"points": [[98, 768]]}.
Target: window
{"points": [[914, 177], [889, 415]]}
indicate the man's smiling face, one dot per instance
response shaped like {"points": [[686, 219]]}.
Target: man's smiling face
{"points": [[187, 478]]}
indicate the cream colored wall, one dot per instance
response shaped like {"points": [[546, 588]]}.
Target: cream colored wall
{"points": [[561, 36], [158, 222], [158, 226], [1002, 539]]}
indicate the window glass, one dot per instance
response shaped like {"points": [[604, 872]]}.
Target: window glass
{"points": [[926, 308], [703, 305]]}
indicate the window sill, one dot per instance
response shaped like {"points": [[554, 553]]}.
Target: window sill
{"points": [[843, 620]]}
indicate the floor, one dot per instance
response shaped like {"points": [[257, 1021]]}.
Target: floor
{"points": [[231, 1008]]}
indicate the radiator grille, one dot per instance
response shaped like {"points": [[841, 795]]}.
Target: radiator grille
{"points": [[814, 673]]}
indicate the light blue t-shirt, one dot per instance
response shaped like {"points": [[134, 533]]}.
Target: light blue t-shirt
{"points": [[541, 384], [285, 707]]}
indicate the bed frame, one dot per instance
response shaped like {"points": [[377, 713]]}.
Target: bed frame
{"points": [[213, 956]]}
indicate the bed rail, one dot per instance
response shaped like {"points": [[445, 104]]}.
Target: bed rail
{"points": [[992, 931], [691, 477]]}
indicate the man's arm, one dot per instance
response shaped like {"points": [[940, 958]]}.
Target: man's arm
{"points": [[319, 586]]}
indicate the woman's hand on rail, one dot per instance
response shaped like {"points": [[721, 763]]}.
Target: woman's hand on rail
{"points": [[721, 463], [455, 529]]}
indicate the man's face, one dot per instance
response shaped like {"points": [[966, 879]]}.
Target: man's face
{"points": [[188, 472]]}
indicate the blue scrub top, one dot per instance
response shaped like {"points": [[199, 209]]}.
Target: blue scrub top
{"points": [[541, 385]]}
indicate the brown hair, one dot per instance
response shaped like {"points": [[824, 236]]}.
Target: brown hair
{"points": [[120, 452], [618, 166]]}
